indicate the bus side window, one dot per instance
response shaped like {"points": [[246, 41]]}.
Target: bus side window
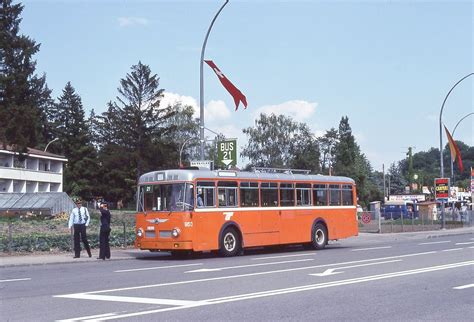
{"points": [[334, 195], [207, 192], [303, 194], [347, 199], [227, 193], [320, 195], [269, 193], [249, 194], [287, 194]]}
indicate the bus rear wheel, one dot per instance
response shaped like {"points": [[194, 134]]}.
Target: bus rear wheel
{"points": [[230, 243], [319, 236]]}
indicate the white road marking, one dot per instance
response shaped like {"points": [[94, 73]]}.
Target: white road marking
{"points": [[328, 272], [463, 286], [438, 242], [251, 274], [466, 243], [295, 289], [451, 249], [217, 269], [371, 248], [88, 317], [331, 270], [129, 299], [15, 280], [156, 267], [283, 256]]}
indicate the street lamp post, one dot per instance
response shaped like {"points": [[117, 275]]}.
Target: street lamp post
{"points": [[441, 142], [201, 84], [53, 140]]}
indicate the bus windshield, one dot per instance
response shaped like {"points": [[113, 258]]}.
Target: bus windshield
{"points": [[167, 197]]}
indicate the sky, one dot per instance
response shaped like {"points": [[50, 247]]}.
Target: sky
{"points": [[386, 65]]}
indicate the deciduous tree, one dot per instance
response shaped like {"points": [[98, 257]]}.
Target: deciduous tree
{"points": [[278, 141]]}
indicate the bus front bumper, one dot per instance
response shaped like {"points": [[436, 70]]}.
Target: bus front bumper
{"points": [[164, 245]]}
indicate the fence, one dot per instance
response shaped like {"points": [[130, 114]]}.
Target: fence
{"points": [[373, 222], [52, 235]]}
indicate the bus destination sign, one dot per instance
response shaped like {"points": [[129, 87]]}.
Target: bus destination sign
{"points": [[227, 152]]}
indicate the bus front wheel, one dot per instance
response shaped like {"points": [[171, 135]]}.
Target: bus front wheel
{"points": [[319, 236], [230, 243]]}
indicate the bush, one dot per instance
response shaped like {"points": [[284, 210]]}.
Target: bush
{"points": [[51, 241]]}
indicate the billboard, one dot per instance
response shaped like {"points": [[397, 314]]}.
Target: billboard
{"points": [[441, 188]]}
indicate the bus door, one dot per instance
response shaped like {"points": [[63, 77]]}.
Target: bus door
{"points": [[249, 215], [270, 213], [206, 218]]}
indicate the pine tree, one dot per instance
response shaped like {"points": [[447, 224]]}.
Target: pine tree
{"points": [[132, 133], [72, 130], [327, 144], [24, 96], [350, 162]]}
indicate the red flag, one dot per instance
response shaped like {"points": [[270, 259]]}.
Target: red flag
{"points": [[453, 147], [234, 91]]}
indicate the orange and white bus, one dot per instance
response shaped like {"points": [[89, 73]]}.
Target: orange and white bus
{"points": [[227, 211]]}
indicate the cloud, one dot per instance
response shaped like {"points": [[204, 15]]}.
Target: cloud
{"points": [[173, 98], [299, 110], [132, 21], [216, 111]]}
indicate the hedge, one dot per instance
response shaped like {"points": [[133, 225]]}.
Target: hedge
{"points": [[59, 242]]}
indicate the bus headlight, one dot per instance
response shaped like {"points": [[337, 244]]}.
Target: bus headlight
{"points": [[140, 232], [175, 232]]}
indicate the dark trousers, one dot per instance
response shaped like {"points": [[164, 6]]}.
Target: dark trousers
{"points": [[80, 234], [104, 251]]}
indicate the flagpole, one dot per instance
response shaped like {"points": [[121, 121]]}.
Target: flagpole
{"points": [[441, 142], [452, 134], [201, 84]]}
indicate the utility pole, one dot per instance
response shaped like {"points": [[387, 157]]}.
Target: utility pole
{"points": [[384, 191], [410, 166]]}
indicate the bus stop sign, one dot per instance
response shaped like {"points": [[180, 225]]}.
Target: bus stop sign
{"points": [[227, 152]]}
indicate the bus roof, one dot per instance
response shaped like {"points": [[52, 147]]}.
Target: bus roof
{"points": [[190, 175]]}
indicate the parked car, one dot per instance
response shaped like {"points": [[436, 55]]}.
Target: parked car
{"points": [[396, 209]]}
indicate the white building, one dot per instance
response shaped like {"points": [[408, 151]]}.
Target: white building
{"points": [[39, 172]]}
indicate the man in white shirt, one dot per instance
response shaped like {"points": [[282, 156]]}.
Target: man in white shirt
{"points": [[79, 219]]}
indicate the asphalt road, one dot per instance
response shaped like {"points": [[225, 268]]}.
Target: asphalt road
{"points": [[363, 278]]}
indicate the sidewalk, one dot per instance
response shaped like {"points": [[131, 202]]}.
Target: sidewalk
{"points": [[62, 258], [127, 254], [383, 238]]}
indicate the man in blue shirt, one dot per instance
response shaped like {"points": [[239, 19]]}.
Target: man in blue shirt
{"points": [[79, 219]]}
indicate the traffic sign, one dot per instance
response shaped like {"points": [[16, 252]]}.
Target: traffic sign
{"points": [[366, 217], [227, 152]]}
